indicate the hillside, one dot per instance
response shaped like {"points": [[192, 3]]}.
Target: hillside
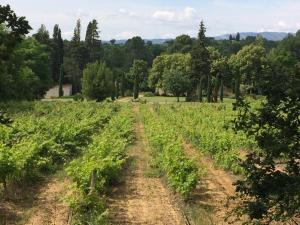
{"points": [[272, 36]]}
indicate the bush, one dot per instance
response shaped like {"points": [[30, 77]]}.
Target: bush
{"points": [[97, 81], [149, 94], [78, 97]]}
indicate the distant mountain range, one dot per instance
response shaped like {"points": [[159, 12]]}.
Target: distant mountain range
{"points": [[272, 36], [154, 41]]}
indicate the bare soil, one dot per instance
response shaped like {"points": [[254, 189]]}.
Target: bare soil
{"points": [[211, 195], [38, 205], [141, 199]]}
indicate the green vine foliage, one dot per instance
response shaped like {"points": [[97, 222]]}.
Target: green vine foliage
{"points": [[42, 136], [182, 173], [105, 157]]}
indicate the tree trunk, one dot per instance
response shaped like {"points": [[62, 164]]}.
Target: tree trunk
{"points": [[208, 88], [123, 85], [177, 98], [222, 90], [216, 89], [136, 89], [237, 87], [199, 91], [113, 92], [61, 80], [117, 90]]}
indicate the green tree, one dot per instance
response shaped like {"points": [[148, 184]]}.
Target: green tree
{"points": [[164, 64], [97, 81], [42, 35], [218, 72], [92, 40], [200, 64], [248, 65], [57, 53], [60, 83], [181, 44], [238, 37], [135, 49], [138, 72], [176, 82], [269, 191], [77, 32], [76, 57]]}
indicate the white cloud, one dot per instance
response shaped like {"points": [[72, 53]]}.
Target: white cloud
{"points": [[125, 12], [187, 14], [164, 15], [282, 24]]}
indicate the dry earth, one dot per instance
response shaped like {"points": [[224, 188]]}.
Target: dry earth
{"points": [[141, 199], [40, 205]]}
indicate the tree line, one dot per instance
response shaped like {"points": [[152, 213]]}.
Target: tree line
{"points": [[192, 67]]}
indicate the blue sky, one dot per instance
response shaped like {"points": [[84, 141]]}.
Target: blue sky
{"points": [[161, 19]]}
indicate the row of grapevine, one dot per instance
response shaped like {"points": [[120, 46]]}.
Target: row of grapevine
{"points": [[98, 167], [45, 135], [207, 126], [182, 173]]}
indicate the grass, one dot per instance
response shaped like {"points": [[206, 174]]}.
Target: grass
{"points": [[163, 99]]}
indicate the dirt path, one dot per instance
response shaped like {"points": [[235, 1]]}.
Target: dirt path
{"points": [[49, 209], [41, 205], [213, 190], [141, 199]]}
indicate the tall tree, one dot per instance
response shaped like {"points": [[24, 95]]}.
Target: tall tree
{"points": [[42, 35], [92, 39], [176, 82], [138, 73], [136, 49], [218, 72], [248, 66], [76, 59], [57, 54], [181, 44], [200, 64], [238, 37], [77, 32], [164, 64]]}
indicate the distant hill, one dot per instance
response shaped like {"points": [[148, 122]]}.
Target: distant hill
{"points": [[154, 41], [272, 36]]}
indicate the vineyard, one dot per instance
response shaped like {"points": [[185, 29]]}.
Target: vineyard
{"points": [[120, 163]]}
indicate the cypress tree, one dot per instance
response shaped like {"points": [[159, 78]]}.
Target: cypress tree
{"points": [[222, 90], [200, 63], [77, 31], [238, 37], [76, 59], [92, 38], [61, 78], [42, 36], [57, 53]]}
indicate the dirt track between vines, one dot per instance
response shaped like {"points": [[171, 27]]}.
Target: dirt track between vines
{"points": [[38, 205], [141, 199], [212, 190]]}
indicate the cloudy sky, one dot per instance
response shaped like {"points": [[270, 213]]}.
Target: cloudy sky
{"points": [[122, 19]]}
